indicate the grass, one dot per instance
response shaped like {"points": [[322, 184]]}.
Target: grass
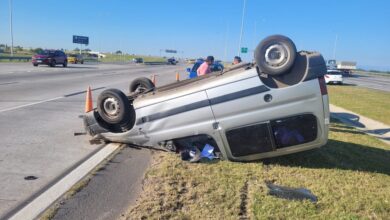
{"points": [[127, 58], [350, 176], [371, 103]]}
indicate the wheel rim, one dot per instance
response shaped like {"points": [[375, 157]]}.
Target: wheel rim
{"points": [[140, 88], [111, 107], [276, 55]]}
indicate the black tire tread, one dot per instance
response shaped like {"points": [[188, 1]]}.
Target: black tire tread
{"points": [[145, 82], [259, 54]]}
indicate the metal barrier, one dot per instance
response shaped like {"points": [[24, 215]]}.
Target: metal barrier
{"points": [[26, 59]]}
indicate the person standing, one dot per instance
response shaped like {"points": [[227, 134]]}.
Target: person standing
{"points": [[237, 60], [205, 67]]}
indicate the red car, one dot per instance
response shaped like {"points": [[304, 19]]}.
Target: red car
{"points": [[51, 58]]}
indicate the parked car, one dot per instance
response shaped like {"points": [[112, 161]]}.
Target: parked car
{"points": [[334, 77], [172, 61], [51, 58], [138, 60], [215, 67], [275, 106], [75, 58]]}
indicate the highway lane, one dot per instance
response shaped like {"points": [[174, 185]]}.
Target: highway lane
{"points": [[369, 81], [38, 114]]}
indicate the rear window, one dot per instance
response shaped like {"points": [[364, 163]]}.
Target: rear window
{"points": [[46, 52], [253, 139], [334, 73], [294, 130]]}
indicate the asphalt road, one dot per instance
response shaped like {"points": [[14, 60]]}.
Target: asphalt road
{"points": [[112, 189], [369, 81], [39, 109]]}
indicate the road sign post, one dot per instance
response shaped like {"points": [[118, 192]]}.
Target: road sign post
{"points": [[170, 51], [80, 40], [244, 50]]}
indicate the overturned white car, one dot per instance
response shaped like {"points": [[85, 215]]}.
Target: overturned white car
{"points": [[277, 105]]}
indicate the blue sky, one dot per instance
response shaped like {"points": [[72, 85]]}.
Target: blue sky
{"points": [[205, 27]]}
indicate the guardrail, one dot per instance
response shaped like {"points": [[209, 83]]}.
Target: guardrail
{"points": [[26, 59], [155, 63]]}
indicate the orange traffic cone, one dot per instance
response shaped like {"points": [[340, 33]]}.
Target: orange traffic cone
{"points": [[177, 77], [88, 101], [154, 79]]}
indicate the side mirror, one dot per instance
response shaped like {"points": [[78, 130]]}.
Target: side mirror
{"points": [[188, 69]]}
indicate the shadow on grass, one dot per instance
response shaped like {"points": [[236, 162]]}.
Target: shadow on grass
{"points": [[339, 155]]}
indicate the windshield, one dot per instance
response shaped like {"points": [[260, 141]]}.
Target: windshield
{"points": [[46, 52]]}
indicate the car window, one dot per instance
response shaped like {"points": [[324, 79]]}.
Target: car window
{"points": [[46, 52]]}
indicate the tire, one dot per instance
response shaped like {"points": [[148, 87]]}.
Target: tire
{"points": [[53, 63], [115, 109], [275, 55], [82, 62], [141, 84], [35, 64], [75, 62], [65, 64]]}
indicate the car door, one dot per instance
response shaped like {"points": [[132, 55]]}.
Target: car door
{"points": [[180, 115], [250, 115], [238, 105]]}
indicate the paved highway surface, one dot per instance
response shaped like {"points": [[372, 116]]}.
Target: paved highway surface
{"points": [[39, 109], [369, 81]]}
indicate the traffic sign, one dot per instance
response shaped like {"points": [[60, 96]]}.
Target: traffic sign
{"points": [[244, 50], [170, 51], [80, 40]]}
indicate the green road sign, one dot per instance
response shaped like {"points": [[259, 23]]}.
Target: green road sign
{"points": [[244, 50]]}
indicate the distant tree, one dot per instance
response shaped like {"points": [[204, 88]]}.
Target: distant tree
{"points": [[76, 49], [118, 52], [37, 50], [87, 50]]}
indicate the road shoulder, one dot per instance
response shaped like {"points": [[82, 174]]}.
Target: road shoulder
{"points": [[111, 190]]}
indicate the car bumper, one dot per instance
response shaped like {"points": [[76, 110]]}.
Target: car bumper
{"points": [[334, 82], [41, 61]]}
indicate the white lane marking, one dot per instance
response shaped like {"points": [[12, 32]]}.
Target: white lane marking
{"points": [[43, 201], [30, 104]]}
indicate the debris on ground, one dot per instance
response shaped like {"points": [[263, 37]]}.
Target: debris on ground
{"points": [[290, 193], [194, 154]]}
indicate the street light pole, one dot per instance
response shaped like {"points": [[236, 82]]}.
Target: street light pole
{"points": [[10, 27], [335, 45], [242, 27]]}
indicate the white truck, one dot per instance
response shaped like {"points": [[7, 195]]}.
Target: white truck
{"points": [[343, 66]]}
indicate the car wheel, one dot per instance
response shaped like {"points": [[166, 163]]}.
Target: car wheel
{"points": [[141, 85], [65, 64], [35, 64], [53, 63], [82, 62], [115, 109], [75, 62], [275, 55]]}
